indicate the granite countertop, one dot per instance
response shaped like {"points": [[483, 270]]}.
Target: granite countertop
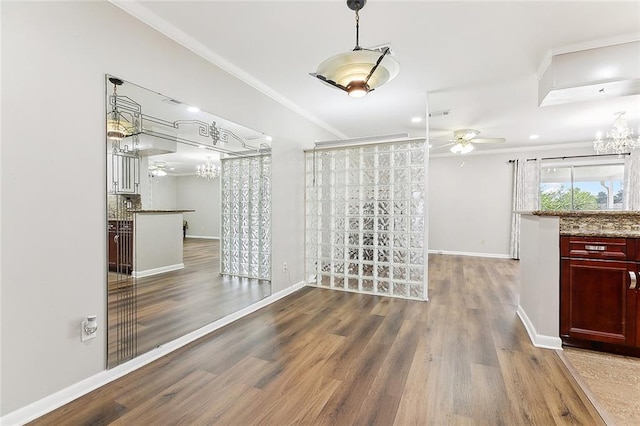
{"points": [[601, 233], [162, 211], [595, 223], [600, 213]]}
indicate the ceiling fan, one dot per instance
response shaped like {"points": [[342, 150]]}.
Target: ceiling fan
{"points": [[157, 169], [464, 139]]}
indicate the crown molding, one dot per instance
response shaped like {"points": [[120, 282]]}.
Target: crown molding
{"points": [[138, 11]]}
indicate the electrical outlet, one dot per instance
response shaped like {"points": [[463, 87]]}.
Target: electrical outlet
{"points": [[89, 328], [285, 267]]}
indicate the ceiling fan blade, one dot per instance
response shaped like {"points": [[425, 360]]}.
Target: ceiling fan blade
{"points": [[327, 81], [442, 146], [488, 140], [466, 134], [384, 53]]}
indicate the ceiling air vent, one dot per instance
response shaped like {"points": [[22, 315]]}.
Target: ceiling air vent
{"points": [[442, 113]]}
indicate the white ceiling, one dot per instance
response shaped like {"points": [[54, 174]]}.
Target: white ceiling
{"points": [[477, 59]]}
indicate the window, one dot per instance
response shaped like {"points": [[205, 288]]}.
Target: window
{"points": [[582, 187]]}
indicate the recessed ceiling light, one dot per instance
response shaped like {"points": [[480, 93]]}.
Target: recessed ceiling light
{"points": [[172, 168], [416, 119], [269, 138], [532, 137], [193, 109], [201, 146]]}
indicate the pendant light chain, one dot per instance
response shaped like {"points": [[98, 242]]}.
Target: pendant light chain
{"points": [[357, 29]]}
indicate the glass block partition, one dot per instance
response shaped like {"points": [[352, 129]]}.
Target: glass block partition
{"points": [[245, 246], [365, 219]]}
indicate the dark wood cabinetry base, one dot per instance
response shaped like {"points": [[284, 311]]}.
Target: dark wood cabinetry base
{"points": [[599, 297]]}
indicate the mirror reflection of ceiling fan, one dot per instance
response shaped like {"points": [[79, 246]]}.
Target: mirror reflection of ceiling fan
{"points": [[157, 169], [464, 139]]}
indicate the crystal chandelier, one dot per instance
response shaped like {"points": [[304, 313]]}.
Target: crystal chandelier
{"points": [[619, 138], [208, 170]]}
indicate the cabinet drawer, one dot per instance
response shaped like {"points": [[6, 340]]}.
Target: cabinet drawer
{"points": [[597, 248]]}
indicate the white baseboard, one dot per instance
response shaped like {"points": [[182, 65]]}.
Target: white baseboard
{"points": [[204, 237], [155, 271], [467, 253], [75, 391], [538, 340]]}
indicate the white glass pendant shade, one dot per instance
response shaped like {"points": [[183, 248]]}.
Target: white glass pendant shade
{"points": [[355, 66], [118, 129]]}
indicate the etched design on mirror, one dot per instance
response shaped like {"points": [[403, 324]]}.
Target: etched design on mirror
{"points": [[246, 217], [365, 219]]}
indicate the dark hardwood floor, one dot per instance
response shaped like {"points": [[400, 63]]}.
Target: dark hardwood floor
{"points": [[323, 357], [172, 304]]}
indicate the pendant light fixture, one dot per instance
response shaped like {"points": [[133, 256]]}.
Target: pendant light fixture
{"points": [[359, 71], [118, 127]]}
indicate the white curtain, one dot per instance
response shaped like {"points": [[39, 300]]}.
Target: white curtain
{"points": [[526, 192], [632, 181]]}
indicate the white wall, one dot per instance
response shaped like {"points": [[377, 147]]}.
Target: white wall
{"points": [[54, 58], [157, 243], [203, 196], [163, 193], [470, 200], [539, 286]]}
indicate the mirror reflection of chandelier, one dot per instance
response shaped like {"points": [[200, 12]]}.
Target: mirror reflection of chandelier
{"points": [[619, 138], [208, 170]]}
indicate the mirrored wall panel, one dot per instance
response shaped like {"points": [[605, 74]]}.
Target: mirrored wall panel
{"points": [[165, 218], [365, 219]]}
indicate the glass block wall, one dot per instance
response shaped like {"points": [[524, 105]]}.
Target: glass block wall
{"points": [[365, 219], [245, 246]]}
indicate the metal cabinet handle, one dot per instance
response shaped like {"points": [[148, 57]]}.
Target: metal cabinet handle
{"points": [[634, 280], [595, 248], [115, 239]]}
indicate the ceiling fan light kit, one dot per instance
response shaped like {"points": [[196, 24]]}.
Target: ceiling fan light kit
{"points": [[462, 148], [464, 141], [359, 71]]}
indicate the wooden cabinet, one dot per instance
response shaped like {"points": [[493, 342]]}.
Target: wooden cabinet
{"points": [[599, 295], [120, 246]]}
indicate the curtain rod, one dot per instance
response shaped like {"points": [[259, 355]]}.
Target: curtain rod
{"points": [[573, 156]]}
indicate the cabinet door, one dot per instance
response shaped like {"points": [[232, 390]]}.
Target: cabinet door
{"points": [[596, 302], [112, 246]]}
